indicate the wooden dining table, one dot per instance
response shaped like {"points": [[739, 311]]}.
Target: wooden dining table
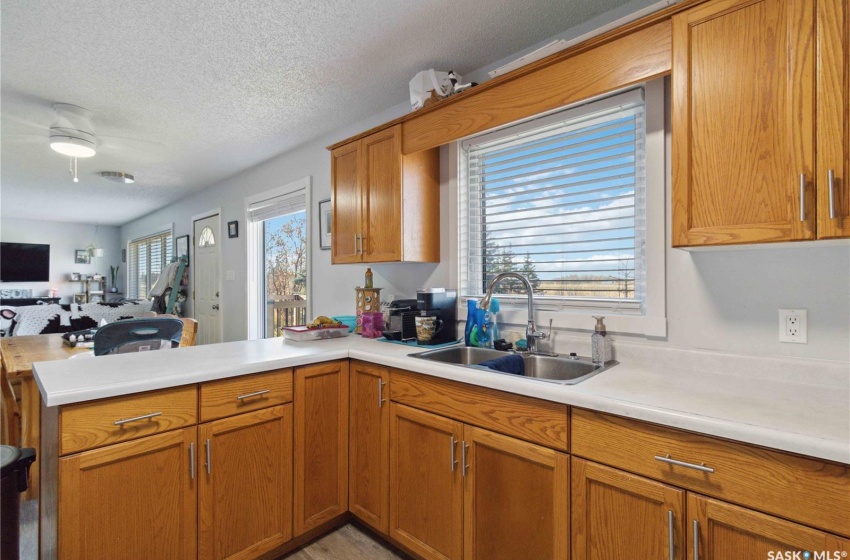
{"points": [[17, 355]]}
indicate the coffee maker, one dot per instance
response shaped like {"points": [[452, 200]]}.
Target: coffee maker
{"points": [[441, 303]]}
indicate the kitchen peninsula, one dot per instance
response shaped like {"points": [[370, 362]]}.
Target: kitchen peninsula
{"points": [[725, 437]]}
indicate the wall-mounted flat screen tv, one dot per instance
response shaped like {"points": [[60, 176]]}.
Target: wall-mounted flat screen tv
{"points": [[24, 262]]}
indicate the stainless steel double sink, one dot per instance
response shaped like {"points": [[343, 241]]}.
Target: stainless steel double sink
{"points": [[564, 370]]}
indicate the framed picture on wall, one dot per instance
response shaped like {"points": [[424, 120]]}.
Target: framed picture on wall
{"points": [[181, 247], [82, 256], [325, 224], [232, 229]]}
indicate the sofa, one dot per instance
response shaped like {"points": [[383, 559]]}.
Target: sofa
{"points": [[57, 318]]}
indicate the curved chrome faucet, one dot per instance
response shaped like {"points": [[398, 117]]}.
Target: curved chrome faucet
{"points": [[531, 332]]}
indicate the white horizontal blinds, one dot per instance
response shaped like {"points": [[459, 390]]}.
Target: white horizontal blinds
{"points": [[148, 257], [278, 206], [561, 200]]}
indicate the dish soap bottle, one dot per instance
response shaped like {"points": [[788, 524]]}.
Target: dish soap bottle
{"points": [[471, 307], [600, 342]]}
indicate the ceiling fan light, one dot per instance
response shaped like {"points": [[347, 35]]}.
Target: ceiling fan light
{"points": [[73, 147], [118, 177]]}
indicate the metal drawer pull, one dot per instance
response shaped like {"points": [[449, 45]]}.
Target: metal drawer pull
{"points": [[802, 197], [464, 447], [670, 534], [668, 460], [381, 399], [136, 418], [209, 460], [192, 460], [254, 394], [696, 539], [830, 181], [454, 461]]}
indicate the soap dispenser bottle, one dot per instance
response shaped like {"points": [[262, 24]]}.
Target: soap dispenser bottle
{"points": [[600, 343]]}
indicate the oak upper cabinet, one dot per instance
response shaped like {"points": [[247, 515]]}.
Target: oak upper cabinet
{"points": [[719, 531], [516, 498], [245, 494], [426, 507], [386, 206], [130, 500], [743, 122], [321, 444], [369, 444], [459, 491], [833, 118], [616, 515]]}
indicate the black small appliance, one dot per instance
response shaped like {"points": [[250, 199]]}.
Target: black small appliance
{"points": [[441, 303]]}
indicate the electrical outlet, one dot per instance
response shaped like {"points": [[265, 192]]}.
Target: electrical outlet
{"points": [[793, 326]]}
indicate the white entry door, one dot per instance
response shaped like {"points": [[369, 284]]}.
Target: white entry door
{"points": [[206, 280]]}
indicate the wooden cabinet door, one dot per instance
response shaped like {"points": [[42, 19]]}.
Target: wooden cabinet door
{"points": [[321, 444], [245, 493], [833, 118], [345, 201], [743, 122], [516, 499], [426, 506], [720, 531], [381, 189], [369, 444], [133, 500], [616, 515]]}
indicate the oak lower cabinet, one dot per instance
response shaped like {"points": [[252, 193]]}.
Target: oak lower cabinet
{"points": [[321, 444], [245, 484], [459, 491], [639, 491], [130, 500], [616, 514], [718, 531], [369, 444], [386, 205]]}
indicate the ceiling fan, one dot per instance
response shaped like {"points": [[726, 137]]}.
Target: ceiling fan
{"points": [[72, 134]]}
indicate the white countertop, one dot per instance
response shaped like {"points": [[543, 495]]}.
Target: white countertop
{"points": [[801, 407]]}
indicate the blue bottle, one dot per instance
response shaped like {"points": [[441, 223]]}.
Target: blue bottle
{"points": [[471, 315]]}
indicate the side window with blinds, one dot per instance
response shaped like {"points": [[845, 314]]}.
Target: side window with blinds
{"points": [[147, 258], [559, 199]]}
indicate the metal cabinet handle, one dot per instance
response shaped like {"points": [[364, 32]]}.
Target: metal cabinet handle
{"points": [[192, 460], [802, 197], [668, 460], [254, 394], [361, 243], [209, 457], [381, 399], [670, 544], [136, 418], [464, 447], [454, 461], [696, 539], [356, 252], [830, 182]]}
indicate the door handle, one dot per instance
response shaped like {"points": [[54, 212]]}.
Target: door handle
{"points": [[381, 399], [209, 456], [830, 180], [696, 540], [463, 447], [454, 461], [215, 306], [192, 461], [670, 543], [802, 197]]}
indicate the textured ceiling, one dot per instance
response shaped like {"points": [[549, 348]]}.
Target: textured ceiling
{"points": [[185, 94]]}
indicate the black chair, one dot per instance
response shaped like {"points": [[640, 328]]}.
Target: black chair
{"points": [[138, 335]]}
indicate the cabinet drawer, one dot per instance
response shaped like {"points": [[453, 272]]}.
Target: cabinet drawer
{"points": [[810, 491], [95, 424], [244, 394], [530, 419]]}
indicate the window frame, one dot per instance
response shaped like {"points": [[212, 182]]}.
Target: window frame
{"points": [[166, 232], [254, 239], [577, 313]]}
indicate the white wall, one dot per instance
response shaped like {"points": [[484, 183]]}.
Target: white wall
{"points": [[64, 238], [725, 300]]}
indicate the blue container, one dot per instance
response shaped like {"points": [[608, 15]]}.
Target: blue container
{"points": [[349, 321]]}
